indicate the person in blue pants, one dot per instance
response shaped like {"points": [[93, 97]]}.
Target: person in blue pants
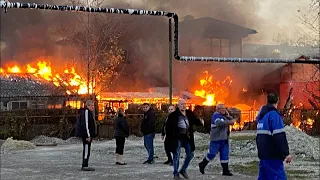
{"points": [[179, 134], [219, 142], [271, 141], [148, 129]]}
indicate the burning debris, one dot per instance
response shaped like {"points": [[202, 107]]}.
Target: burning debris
{"points": [[13, 145]]}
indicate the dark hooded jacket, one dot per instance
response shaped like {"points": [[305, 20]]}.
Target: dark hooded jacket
{"points": [[172, 130], [81, 128]]}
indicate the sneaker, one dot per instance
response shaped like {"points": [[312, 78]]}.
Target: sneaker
{"points": [[176, 176], [227, 173], [167, 162], [121, 163], [184, 174], [147, 161], [87, 169], [151, 162]]}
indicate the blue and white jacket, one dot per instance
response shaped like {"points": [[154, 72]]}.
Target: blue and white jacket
{"points": [[219, 127], [271, 138]]}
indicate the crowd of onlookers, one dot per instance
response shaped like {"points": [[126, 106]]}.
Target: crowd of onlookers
{"points": [[178, 132]]}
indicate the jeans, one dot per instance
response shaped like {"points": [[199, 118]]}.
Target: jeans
{"points": [[176, 157], [148, 144]]}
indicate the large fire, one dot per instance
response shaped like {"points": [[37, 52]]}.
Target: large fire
{"points": [[42, 70], [212, 90], [215, 92]]}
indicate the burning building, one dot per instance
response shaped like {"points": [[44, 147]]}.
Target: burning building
{"points": [[39, 87]]}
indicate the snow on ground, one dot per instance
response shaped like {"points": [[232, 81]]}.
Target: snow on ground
{"points": [[64, 160]]}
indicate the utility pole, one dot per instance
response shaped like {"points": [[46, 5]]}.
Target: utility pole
{"points": [[170, 61], [88, 51]]}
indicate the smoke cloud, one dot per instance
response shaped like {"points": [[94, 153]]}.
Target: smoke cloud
{"points": [[27, 34]]}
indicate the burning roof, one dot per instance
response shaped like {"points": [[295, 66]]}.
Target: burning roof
{"points": [[39, 73], [15, 86]]}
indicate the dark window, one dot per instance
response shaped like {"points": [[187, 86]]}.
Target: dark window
{"points": [[23, 105], [15, 105]]}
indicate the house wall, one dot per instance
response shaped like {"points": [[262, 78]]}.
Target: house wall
{"points": [[304, 79], [218, 47], [236, 47], [300, 96]]}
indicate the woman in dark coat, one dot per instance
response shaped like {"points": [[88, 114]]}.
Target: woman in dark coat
{"points": [[121, 132]]}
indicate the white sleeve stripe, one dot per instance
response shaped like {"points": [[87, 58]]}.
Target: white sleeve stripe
{"points": [[218, 119], [277, 131], [86, 116]]}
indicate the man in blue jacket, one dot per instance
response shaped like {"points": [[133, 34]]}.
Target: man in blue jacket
{"points": [[271, 141], [219, 142]]}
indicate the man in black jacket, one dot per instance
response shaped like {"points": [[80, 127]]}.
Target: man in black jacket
{"points": [[86, 130], [171, 109], [148, 129], [179, 133]]}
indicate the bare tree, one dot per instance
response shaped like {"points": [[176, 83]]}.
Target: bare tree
{"points": [[97, 39], [307, 43], [310, 18]]}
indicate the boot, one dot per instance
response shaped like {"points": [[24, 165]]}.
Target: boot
{"points": [[117, 158], [120, 162], [225, 170], [203, 164]]}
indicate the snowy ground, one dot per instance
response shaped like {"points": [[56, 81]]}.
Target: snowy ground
{"points": [[63, 162]]}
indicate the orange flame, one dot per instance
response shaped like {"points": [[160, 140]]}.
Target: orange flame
{"points": [[43, 71], [14, 69], [310, 122], [210, 89]]}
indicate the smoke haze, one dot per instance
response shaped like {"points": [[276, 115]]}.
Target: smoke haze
{"points": [[27, 34]]}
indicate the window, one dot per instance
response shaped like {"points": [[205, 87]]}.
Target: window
{"points": [[218, 47], [14, 105], [18, 105], [23, 105], [74, 104]]}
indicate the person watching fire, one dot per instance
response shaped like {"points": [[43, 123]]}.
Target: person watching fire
{"points": [[148, 129], [271, 141], [219, 139], [171, 109], [179, 133], [86, 129], [121, 133]]}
